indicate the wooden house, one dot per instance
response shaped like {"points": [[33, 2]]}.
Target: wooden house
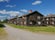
{"points": [[33, 18], [49, 19]]}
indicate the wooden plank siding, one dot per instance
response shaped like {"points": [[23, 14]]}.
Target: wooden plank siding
{"points": [[35, 18], [50, 20], [31, 19]]}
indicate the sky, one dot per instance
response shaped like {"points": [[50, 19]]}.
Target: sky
{"points": [[12, 8]]}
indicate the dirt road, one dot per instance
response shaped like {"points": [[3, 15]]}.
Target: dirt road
{"points": [[18, 34]]}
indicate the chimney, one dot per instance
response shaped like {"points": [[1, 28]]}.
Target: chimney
{"points": [[30, 11]]}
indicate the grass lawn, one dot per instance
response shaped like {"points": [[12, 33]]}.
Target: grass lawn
{"points": [[3, 34], [2, 31], [36, 28]]}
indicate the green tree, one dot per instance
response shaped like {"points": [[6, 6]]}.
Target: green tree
{"points": [[5, 21]]}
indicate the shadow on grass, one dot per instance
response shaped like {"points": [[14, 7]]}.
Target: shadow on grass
{"points": [[2, 26]]}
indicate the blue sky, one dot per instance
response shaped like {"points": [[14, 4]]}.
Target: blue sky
{"points": [[11, 8]]}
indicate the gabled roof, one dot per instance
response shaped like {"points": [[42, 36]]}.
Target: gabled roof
{"points": [[51, 15], [32, 13]]}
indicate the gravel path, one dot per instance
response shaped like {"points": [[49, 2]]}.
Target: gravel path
{"points": [[18, 34]]}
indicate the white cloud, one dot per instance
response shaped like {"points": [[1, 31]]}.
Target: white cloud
{"points": [[2, 17], [4, 0], [11, 13], [10, 6], [3, 11], [36, 2], [23, 10]]}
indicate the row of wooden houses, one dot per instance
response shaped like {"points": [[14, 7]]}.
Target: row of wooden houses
{"points": [[33, 18]]}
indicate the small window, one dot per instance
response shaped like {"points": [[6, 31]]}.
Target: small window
{"points": [[14, 22], [53, 19], [38, 17], [39, 23], [52, 22], [47, 22], [47, 19], [24, 22], [30, 22]]}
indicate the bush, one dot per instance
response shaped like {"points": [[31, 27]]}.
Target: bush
{"points": [[1, 25]]}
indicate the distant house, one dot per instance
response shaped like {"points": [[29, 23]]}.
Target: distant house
{"points": [[13, 20], [10, 21], [33, 18], [50, 19]]}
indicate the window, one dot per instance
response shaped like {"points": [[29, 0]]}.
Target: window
{"points": [[38, 17], [24, 22], [52, 22], [14, 22], [52, 18], [23, 17], [47, 19], [39, 22], [47, 22], [30, 22]]}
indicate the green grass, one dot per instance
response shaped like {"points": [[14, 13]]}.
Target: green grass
{"points": [[2, 31], [36, 28]]}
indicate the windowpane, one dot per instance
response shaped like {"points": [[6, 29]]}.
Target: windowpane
{"points": [[47, 19], [39, 23], [52, 22], [38, 17]]}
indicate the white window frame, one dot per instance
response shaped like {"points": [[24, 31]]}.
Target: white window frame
{"points": [[39, 22]]}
